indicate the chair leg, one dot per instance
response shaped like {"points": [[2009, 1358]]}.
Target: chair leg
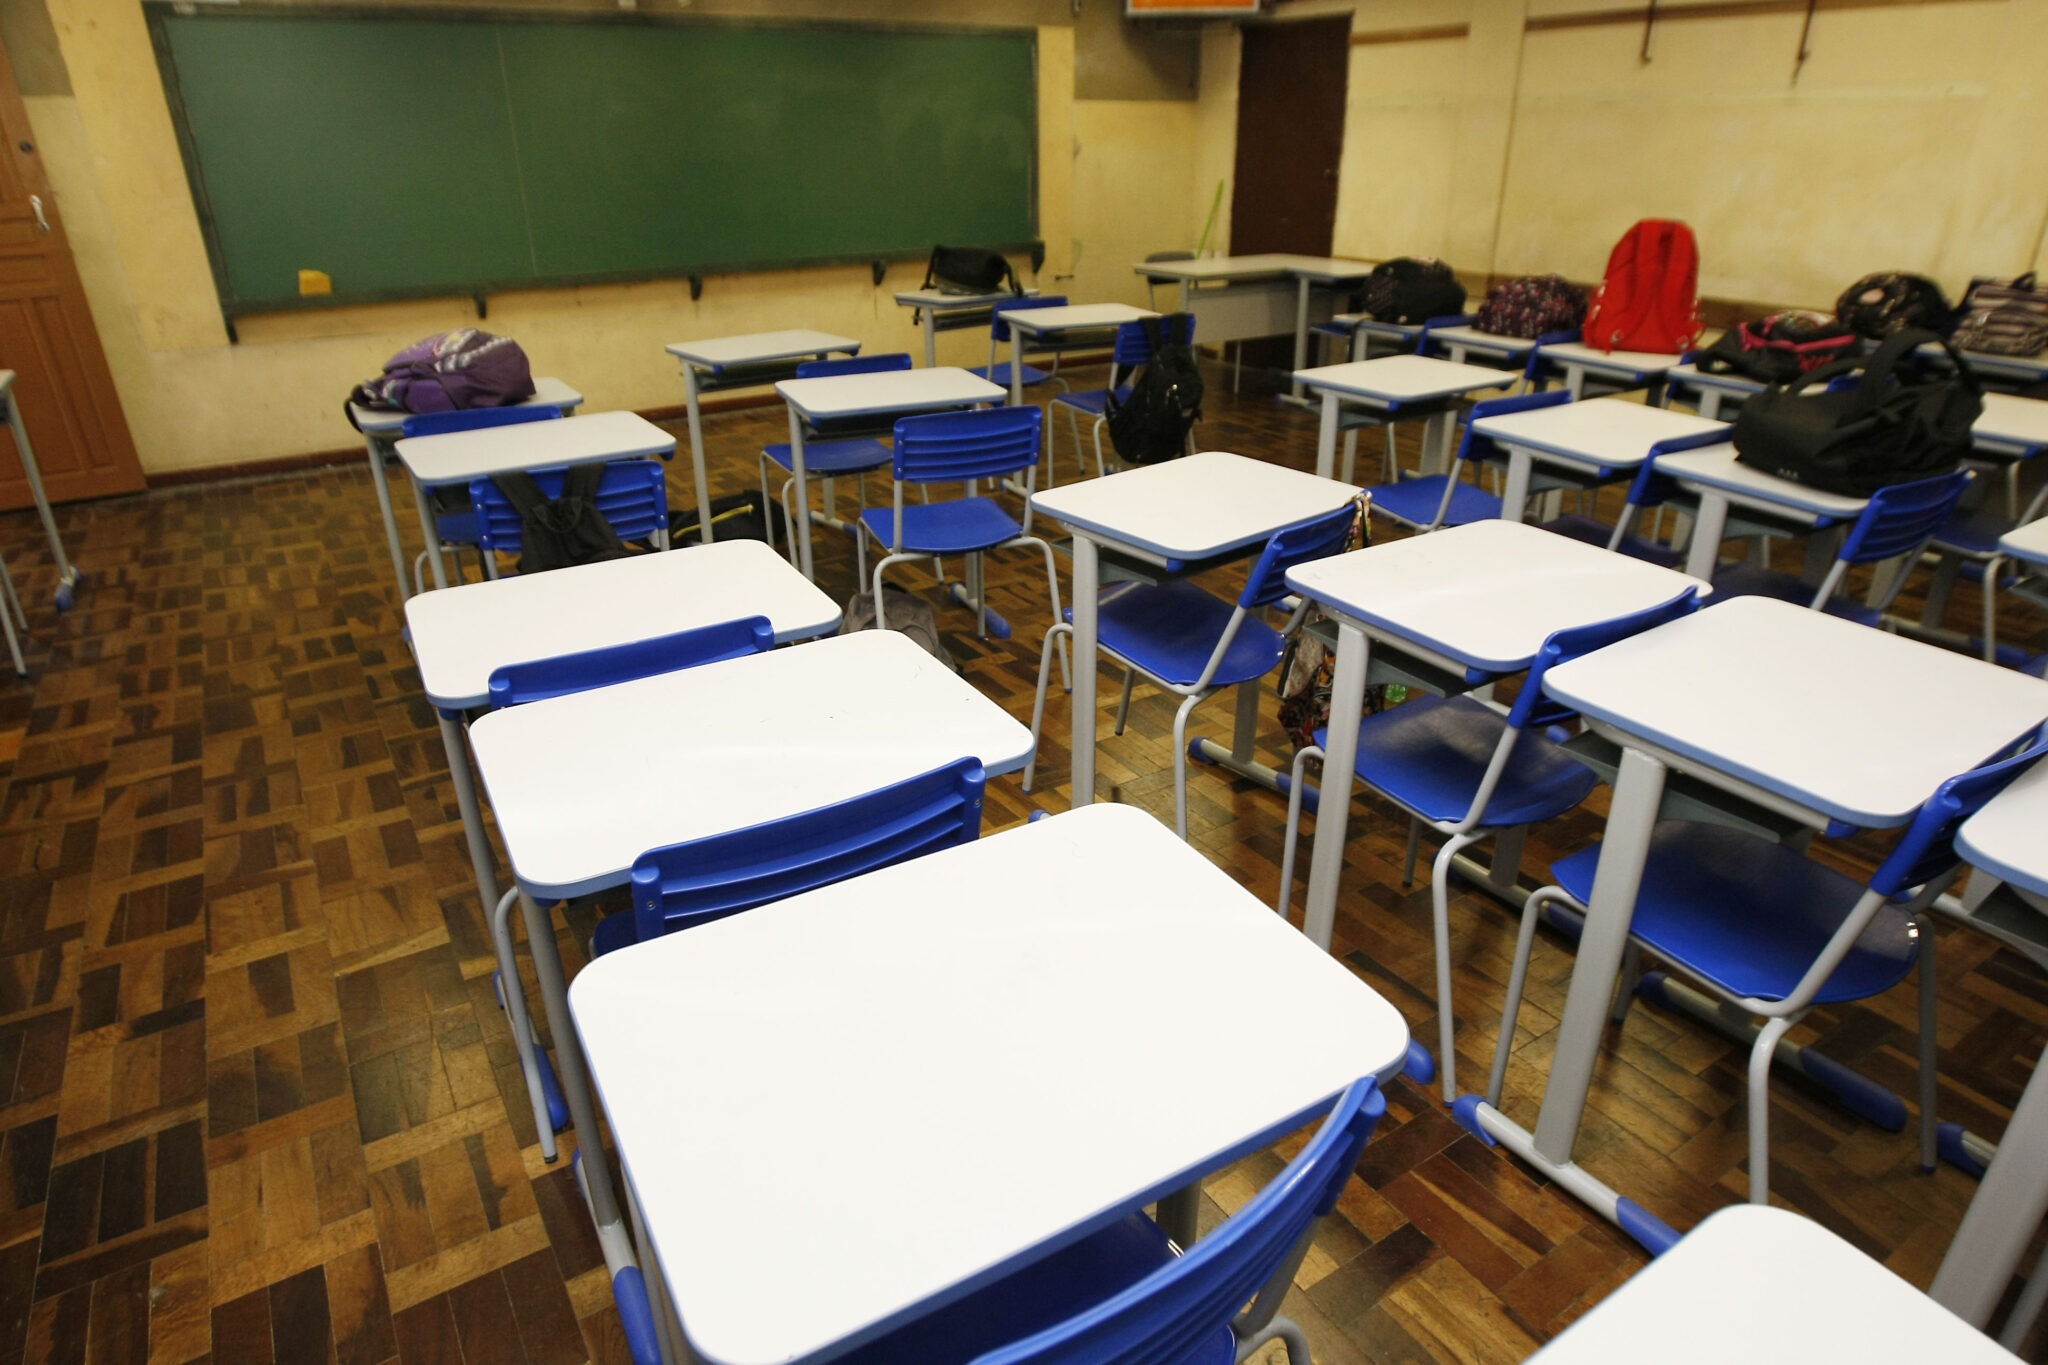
{"points": [[1625, 989], [1518, 974], [1992, 568], [767, 503], [1123, 706], [1408, 862], [1292, 836], [1440, 913], [512, 990], [1928, 1048], [1393, 456], [1350, 465], [1101, 466], [788, 516], [1180, 764], [1760, 1055], [1038, 699], [1052, 581]]}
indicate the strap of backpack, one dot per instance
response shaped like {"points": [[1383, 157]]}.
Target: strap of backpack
{"points": [[522, 492], [1155, 334]]}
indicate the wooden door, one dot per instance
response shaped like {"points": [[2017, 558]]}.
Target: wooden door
{"points": [[47, 338], [1291, 87]]}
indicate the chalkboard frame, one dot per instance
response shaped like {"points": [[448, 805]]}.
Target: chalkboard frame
{"points": [[157, 12]]}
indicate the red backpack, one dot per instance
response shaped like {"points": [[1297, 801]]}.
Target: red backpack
{"points": [[1650, 298]]}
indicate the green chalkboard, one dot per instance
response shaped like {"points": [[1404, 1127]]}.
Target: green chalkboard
{"points": [[411, 156]]}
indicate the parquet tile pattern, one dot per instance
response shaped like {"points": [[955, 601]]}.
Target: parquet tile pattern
{"points": [[258, 1104]]}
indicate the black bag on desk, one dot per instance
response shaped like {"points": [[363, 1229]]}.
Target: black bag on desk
{"points": [[1892, 426], [555, 533], [1412, 289], [970, 270]]}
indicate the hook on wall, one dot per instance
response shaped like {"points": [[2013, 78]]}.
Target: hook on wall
{"points": [[1805, 46], [1649, 23]]}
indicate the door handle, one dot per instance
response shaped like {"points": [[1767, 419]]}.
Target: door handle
{"points": [[35, 202]]}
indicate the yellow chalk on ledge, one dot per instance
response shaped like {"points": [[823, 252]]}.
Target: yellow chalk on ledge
{"points": [[315, 282]]}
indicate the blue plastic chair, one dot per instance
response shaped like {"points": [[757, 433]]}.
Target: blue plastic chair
{"points": [[963, 448], [1968, 540], [1648, 489], [684, 885], [831, 456], [1126, 1296], [997, 371], [1194, 644], [456, 527], [1469, 772], [1431, 502], [1133, 347], [1771, 931], [632, 495], [1900, 520]]}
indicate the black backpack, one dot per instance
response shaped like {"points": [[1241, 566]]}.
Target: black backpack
{"points": [[1165, 401], [1413, 289], [1878, 306], [556, 533], [970, 270]]}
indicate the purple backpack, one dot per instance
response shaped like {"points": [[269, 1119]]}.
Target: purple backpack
{"points": [[459, 369]]}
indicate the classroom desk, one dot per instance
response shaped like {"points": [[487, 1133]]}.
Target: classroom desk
{"points": [[1635, 369], [1389, 384], [741, 362], [974, 1033], [2028, 544], [459, 637], [938, 311], [1583, 437], [843, 398], [1708, 390], [1821, 744], [1366, 329], [1169, 516], [1723, 482], [1463, 341], [2006, 839], [1766, 1286], [460, 456], [582, 785], [2000, 369], [1052, 324], [1255, 292], [381, 428]]}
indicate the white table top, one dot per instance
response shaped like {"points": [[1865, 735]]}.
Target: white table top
{"points": [[1486, 594], [1616, 362], [855, 395], [1192, 508], [1605, 431], [582, 785], [460, 635], [2009, 836], [1698, 378], [1269, 265], [1366, 322], [940, 301], [461, 456], [547, 390], [1717, 468], [1036, 320], [1806, 705], [1764, 1286], [1493, 343], [2011, 420], [960, 1050], [2029, 542], [1403, 378], [758, 348]]}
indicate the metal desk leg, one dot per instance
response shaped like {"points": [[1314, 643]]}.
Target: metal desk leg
{"points": [[1016, 367], [1300, 340], [1514, 497], [802, 529], [2004, 1216], [430, 535], [1575, 380], [1436, 441], [67, 577], [382, 484], [1703, 550], [1333, 801], [1326, 438], [931, 337], [697, 455], [1087, 578], [1709, 404]]}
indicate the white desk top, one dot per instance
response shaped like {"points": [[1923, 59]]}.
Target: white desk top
{"points": [[940, 301], [1605, 431], [1486, 594], [1763, 1286], [460, 635], [855, 395], [1036, 320], [546, 390], [1403, 378], [1614, 362], [1270, 265], [1493, 343], [1366, 322], [758, 348], [582, 785], [2009, 836], [461, 456], [2029, 542], [1717, 468], [1192, 508], [1806, 705], [1997, 366], [2011, 420], [961, 1052], [1706, 379]]}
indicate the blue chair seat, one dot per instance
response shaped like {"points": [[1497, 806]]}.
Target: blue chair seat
{"points": [[833, 457], [1000, 374], [2036, 667], [1048, 1291], [1751, 915], [1169, 630], [1414, 501], [1973, 531], [1429, 754], [1591, 532], [1747, 580], [1094, 402], [944, 528]]}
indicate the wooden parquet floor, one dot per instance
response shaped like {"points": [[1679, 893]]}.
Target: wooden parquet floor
{"points": [[257, 1103]]}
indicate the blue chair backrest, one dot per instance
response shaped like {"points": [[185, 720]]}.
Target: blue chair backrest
{"points": [[853, 364], [1133, 347], [1478, 447], [1422, 338], [1164, 1316], [632, 495], [1533, 708], [694, 883], [1317, 538], [473, 419], [999, 332], [1927, 850], [1539, 369], [1651, 488], [540, 679], [953, 447], [1902, 517]]}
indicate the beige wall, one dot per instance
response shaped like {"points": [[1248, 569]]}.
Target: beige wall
{"points": [[193, 400]]}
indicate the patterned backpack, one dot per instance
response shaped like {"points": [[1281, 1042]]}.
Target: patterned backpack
{"points": [[1532, 306], [1650, 299], [1878, 305], [2003, 317]]}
